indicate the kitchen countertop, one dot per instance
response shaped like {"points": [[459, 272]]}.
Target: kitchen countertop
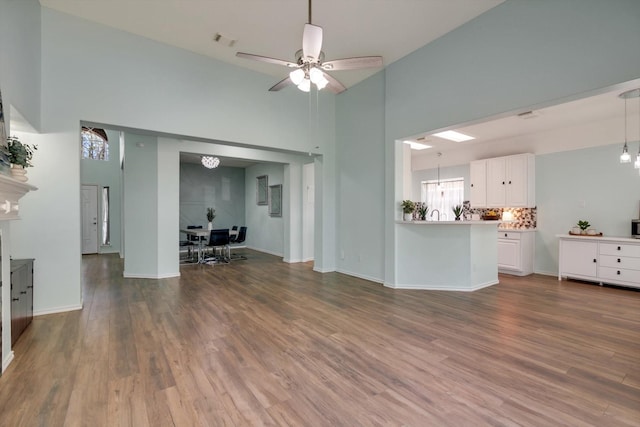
{"points": [[479, 222], [599, 238]]}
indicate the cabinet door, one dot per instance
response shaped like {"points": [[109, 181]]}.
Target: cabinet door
{"points": [[578, 258], [478, 176], [516, 173], [496, 182], [509, 254]]}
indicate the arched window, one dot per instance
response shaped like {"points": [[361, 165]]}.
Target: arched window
{"points": [[95, 144]]}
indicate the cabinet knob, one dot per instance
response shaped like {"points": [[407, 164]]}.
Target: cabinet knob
{"points": [[618, 272], [618, 259], [15, 299], [472, 185], [505, 234], [509, 182], [502, 182], [594, 260], [23, 292], [619, 248]]}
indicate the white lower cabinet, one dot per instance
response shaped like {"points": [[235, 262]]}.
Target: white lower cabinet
{"points": [[516, 251], [600, 259]]}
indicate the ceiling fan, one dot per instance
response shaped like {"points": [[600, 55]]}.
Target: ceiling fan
{"points": [[310, 66]]}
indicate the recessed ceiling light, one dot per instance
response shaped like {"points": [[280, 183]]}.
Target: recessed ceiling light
{"points": [[417, 145], [452, 135]]}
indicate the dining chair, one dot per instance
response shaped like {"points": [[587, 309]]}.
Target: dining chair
{"points": [[218, 239]]}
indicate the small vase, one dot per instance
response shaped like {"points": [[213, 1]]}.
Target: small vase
{"points": [[18, 173], [458, 218], [408, 216], [210, 226]]}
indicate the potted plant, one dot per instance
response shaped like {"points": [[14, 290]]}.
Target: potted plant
{"points": [[20, 156], [422, 211], [211, 214], [457, 211], [583, 225], [407, 209]]}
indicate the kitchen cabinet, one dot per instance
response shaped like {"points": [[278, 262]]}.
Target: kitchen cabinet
{"points": [[510, 181], [478, 183], [516, 250], [613, 260], [21, 296]]}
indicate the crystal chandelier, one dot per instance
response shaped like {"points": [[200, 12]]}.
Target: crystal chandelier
{"points": [[210, 162]]}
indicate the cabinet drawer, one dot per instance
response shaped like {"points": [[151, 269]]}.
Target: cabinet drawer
{"points": [[628, 263], [509, 235], [619, 274], [620, 249]]}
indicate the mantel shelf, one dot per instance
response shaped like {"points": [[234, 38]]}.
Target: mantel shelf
{"points": [[11, 191]]}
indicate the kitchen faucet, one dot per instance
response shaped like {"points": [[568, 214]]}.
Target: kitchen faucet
{"points": [[433, 211]]}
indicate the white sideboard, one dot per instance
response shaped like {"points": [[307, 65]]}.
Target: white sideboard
{"points": [[612, 260], [516, 249]]}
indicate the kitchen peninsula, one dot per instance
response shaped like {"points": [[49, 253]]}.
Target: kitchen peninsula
{"points": [[446, 255]]}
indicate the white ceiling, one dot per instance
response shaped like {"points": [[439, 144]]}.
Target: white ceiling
{"points": [[601, 108], [389, 28]]}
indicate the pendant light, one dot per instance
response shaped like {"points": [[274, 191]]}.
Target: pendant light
{"points": [[210, 162], [625, 157]]}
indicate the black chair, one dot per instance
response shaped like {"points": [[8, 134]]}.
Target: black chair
{"points": [[218, 239], [190, 242], [238, 243], [233, 235]]}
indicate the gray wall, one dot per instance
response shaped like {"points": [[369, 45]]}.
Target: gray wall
{"points": [[221, 188]]}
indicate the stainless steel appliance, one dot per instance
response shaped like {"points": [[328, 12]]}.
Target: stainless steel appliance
{"points": [[635, 228]]}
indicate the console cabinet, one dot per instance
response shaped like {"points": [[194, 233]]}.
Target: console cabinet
{"points": [[516, 250], [612, 260], [21, 296]]}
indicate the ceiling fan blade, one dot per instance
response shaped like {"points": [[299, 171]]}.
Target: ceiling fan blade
{"points": [[266, 59], [312, 42], [281, 84], [334, 85], [353, 63]]}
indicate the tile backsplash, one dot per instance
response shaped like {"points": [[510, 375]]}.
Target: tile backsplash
{"points": [[523, 218]]}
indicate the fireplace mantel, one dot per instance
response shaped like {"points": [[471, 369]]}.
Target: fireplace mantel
{"points": [[10, 193]]}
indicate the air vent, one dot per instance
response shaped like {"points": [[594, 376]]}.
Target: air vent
{"points": [[529, 115], [224, 40]]}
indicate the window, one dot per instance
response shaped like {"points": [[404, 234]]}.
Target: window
{"points": [[443, 198], [95, 144]]}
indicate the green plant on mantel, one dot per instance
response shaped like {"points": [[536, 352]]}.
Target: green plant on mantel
{"points": [[583, 225], [19, 153], [408, 206]]}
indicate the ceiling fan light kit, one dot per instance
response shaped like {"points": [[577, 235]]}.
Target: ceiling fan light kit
{"points": [[310, 66]]}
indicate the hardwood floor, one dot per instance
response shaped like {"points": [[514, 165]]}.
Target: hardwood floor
{"points": [[261, 342]]}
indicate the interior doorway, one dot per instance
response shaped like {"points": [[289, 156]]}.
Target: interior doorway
{"points": [[89, 199]]}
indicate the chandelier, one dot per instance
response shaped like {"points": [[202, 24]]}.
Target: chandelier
{"points": [[625, 157], [210, 162]]}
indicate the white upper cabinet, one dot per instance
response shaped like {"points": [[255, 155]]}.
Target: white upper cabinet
{"points": [[509, 182], [478, 184]]}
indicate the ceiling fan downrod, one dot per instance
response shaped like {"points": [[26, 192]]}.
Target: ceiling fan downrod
{"points": [[309, 11]]}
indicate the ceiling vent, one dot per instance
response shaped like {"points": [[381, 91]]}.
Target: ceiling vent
{"points": [[224, 40], [529, 115]]}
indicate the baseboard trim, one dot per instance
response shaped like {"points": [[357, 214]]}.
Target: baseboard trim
{"points": [[148, 276], [441, 288], [266, 251], [361, 276], [55, 310], [324, 270], [7, 361], [547, 273]]}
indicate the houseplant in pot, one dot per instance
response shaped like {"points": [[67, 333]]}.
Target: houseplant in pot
{"points": [[20, 156], [422, 210], [211, 214], [407, 209], [457, 211]]}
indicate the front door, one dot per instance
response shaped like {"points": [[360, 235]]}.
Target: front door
{"points": [[89, 219]]}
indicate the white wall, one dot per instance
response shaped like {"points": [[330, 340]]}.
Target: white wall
{"points": [[141, 209], [264, 233]]}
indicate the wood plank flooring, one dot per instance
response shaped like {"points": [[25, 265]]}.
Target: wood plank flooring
{"points": [[261, 342]]}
